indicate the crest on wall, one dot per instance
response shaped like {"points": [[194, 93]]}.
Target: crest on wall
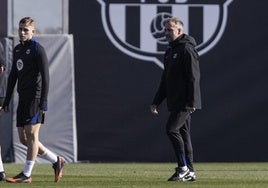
{"points": [[136, 27]]}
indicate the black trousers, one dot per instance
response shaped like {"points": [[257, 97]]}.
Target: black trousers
{"points": [[178, 131]]}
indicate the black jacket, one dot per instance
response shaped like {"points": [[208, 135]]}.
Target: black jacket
{"points": [[30, 69], [181, 76]]}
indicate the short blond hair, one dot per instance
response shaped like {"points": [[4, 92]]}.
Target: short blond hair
{"points": [[27, 21], [175, 20]]}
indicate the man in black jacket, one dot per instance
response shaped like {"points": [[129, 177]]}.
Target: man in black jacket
{"points": [[180, 86], [30, 72]]}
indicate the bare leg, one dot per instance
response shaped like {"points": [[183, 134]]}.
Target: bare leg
{"points": [[1, 162], [23, 140], [2, 172], [32, 135]]}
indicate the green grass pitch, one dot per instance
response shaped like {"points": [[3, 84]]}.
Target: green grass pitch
{"points": [[144, 175]]}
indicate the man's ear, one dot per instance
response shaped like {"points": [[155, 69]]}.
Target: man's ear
{"points": [[179, 31]]}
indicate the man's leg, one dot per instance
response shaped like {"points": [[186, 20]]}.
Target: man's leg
{"points": [[57, 161], [42, 150], [2, 171], [32, 134], [186, 136], [29, 135], [175, 122], [46, 154]]}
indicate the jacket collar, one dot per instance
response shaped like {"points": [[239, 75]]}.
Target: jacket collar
{"points": [[176, 41]]}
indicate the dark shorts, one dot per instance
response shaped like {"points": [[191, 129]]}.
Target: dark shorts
{"points": [[28, 112]]}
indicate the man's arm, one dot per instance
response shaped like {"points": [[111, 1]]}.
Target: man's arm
{"points": [[12, 79], [192, 72], [43, 67], [161, 92]]}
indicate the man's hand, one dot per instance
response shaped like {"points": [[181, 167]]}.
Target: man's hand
{"points": [[190, 109], [2, 69], [4, 108], [42, 111], [154, 109]]}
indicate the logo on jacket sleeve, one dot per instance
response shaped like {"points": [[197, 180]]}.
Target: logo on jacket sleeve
{"points": [[136, 27]]}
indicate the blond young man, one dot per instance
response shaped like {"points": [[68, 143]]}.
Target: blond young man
{"points": [[30, 70]]}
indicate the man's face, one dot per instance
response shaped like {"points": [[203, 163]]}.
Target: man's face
{"points": [[171, 31], [26, 32]]}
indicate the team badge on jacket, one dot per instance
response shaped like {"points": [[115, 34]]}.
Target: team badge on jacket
{"points": [[19, 64], [136, 27], [28, 51]]}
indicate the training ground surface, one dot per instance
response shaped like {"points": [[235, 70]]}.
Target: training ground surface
{"points": [[144, 175]]}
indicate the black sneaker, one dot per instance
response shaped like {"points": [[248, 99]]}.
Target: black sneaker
{"points": [[179, 174], [2, 176], [20, 178], [190, 177], [58, 168]]}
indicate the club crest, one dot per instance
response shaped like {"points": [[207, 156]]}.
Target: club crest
{"points": [[136, 27]]}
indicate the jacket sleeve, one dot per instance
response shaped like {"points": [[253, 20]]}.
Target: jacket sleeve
{"points": [[43, 67], [192, 73], [161, 92], [12, 80]]}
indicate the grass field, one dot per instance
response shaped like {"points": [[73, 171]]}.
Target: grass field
{"points": [[145, 175]]}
